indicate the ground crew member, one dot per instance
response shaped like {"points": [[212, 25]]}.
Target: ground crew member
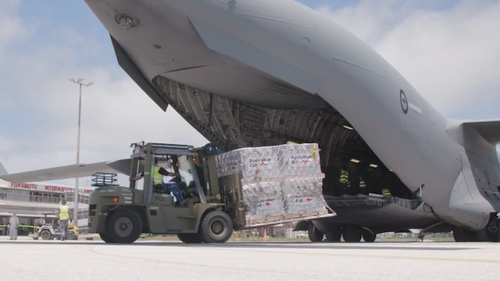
{"points": [[386, 193], [13, 225], [63, 220]]}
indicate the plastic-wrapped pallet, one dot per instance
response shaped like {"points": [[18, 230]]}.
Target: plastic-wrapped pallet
{"points": [[267, 163], [263, 202], [256, 164], [304, 196], [277, 183], [299, 160]]}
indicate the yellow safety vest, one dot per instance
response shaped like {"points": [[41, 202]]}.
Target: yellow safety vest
{"points": [[386, 193], [344, 177], [64, 213], [157, 177]]}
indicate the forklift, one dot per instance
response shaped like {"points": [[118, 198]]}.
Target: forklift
{"points": [[121, 214]]}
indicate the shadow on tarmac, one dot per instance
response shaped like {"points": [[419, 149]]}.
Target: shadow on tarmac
{"points": [[249, 245]]}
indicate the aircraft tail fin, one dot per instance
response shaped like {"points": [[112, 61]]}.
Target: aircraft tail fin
{"points": [[3, 171]]}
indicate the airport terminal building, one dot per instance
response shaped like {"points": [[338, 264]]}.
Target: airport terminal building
{"points": [[31, 201]]}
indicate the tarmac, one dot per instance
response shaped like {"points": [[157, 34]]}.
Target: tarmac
{"points": [[27, 259]]}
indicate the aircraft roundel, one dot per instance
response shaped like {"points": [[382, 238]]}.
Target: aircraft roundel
{"points": [[404, 101]]}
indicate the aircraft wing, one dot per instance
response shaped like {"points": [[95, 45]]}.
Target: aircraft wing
{"points": [[488, 129], [71, 171]]}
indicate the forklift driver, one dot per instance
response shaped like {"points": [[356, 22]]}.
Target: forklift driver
{"points": [[171, 186]]}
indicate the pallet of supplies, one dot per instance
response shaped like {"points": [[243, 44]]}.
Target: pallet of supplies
{"points": [[273, 183]]}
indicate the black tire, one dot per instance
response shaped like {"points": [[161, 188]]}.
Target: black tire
{"points": [[216, 227], [124, 226], [334, 234], [190, 238], [461, 235], [45, 235], [106, 238], [352, 233], [314, 234], [368, 236]]}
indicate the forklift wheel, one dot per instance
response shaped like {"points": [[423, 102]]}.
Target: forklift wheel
{"points": [[106, 238], [124, 226], [216, 227], [190, 238]]}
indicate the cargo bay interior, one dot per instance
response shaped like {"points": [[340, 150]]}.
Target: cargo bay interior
{"points": [[232, 124]]}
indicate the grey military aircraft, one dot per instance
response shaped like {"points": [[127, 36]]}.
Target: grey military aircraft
{"points": [[259, 72]]}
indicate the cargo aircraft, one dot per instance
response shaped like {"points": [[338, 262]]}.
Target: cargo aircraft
{"points": [[259, 72]]}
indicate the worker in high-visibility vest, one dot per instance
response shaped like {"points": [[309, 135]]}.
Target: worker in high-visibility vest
{"points": [[344, 182], [63, 220], [386, 193], [171, 186]]}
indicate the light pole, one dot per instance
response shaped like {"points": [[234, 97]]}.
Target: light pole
{"points": [[76, 192]]}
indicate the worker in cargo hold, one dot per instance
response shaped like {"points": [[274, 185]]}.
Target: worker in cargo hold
{"points": [[344, 182], [161, 187], [63, 220], [386, 193]]}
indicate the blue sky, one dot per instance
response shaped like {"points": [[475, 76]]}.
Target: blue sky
{"points": [[447, 49]]}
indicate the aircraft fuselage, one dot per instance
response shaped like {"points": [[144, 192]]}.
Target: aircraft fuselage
{"points": [[263, 54]]}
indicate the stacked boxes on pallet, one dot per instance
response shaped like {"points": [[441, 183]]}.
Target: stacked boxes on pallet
{"points": [[278, 182]]}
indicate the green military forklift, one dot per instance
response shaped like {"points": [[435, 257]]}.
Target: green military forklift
{"points": [[122, 214]]}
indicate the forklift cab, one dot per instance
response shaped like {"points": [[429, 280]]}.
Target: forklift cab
{"points": [[176, 159]]}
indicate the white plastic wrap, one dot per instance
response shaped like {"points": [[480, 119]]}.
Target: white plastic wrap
{"points": [[299, 160], [269, 163], [262, 200], [303, 195], [254, 164], [277, 182]]}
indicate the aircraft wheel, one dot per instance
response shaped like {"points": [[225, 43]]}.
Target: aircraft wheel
{"points": [[352, 233], [334, 234], [124, 226], [315, 235], [461, 235], [106, 238], [45, 235], [190, 238], [498, 232], [368, 236], [216, 227]]}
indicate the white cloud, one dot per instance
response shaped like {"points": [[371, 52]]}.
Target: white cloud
{"points": [[10, 24], [450, 56], [115, 111]]}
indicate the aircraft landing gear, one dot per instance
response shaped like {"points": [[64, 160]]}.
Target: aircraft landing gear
{"points": [[461, 235], [315, 235], [334, 234], [491, 233], [368, 236], [352, 233]]}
